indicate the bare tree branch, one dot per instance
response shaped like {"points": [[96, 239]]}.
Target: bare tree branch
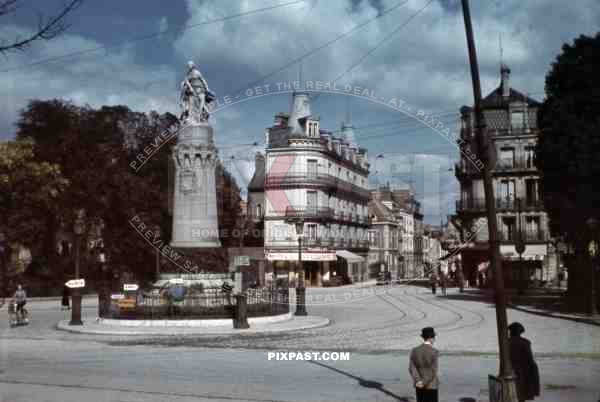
{"points": [[46, 29]]}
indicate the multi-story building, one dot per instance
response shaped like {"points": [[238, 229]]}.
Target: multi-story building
{"points": [[384, 235], [409, 209], [432, 251], [408, 220], [512, 126], [321, 179]]}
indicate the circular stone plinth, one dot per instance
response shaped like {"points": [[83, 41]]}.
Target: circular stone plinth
{"points": [[207, 323]]}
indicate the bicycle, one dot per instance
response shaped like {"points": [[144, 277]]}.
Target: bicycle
{"points": [[16, 318]]}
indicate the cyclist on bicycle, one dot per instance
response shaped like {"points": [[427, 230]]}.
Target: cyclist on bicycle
{"points": [[21, 298]]}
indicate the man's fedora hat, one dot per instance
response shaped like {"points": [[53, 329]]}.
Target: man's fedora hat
{"points": [[516, 328], [427, 333]]}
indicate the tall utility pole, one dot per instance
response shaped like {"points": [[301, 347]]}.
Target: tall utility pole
{"points": [[506, 375]]}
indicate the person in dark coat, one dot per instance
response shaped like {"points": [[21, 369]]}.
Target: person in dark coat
{"points": [[524, 366], [423, 367], [443, 283], [433, 282], [65, 299]]}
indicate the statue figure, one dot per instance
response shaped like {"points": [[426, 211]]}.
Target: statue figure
{"points": [[195, 95]]}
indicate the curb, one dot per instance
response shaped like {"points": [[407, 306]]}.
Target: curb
{"points": [[58, 298], [320, 322], [554, 315]]}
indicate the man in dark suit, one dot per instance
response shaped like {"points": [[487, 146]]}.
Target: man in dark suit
{"points": [[423, 367], [524, 366]]}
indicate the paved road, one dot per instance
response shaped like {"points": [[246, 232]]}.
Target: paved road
{"points": [[38, 363], [62, 371]]}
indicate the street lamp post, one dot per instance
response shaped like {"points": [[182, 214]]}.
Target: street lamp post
{"points": [[157, 234], [592, 224], [3, 266], [520, 248], [78, 229], [300, 289]]}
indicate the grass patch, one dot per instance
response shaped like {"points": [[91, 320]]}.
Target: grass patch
{"points": [[559, 387]]}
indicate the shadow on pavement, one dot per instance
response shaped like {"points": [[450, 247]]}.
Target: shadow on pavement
{"points": [[365, 383]]}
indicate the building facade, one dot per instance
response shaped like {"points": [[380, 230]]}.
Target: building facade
{"points": [[512, 125], [321, 179], [406, 219], [384, 235]]}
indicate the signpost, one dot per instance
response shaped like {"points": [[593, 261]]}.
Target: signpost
{"points": [[75, 283], [130, 287], [176, 281], [242, 260], [117, 296]]}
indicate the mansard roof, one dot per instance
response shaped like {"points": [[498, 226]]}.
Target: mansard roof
{"points": [[495, 100]]}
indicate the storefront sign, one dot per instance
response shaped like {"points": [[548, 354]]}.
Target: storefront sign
{"points": [[305, 256]]}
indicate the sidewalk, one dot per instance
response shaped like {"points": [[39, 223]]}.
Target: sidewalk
{"points": [[258, 325], [544, 302]]}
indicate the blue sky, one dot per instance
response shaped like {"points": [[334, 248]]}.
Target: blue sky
{"points": [[424, 64]]}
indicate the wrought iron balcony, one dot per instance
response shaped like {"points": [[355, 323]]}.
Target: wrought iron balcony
{"points": [[507, 165], [527, 236], [309, 212], [462, 170], [312, 242], [502, 204], [325, 181], [273, 180]]}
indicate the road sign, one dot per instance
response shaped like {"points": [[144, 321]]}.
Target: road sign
{"points": [[117, 296], [242, 260], [75, 283], [130, 287], [177, 281]]}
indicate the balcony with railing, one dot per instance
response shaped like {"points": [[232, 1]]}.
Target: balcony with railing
{"points": [[501, 203], [309, 212], [518, 164], [463, 170], [528, 236], [324, 181]]}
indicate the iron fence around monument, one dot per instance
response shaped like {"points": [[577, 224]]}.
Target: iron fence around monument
{"points": [[211, 304]]}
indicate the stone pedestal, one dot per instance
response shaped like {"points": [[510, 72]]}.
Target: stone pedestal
{"points": [[195, 219]]}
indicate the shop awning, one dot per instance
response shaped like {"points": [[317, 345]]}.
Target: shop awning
{"points": [[306, 256], [348, 256], [533, 252]]}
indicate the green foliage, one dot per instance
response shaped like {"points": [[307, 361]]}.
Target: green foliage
{"points": [[569, 149], [92, 150]]}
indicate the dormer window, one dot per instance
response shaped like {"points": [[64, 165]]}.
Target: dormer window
{"points": [[312, 129]]}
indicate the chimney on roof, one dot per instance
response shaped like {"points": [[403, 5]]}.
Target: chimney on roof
{"points": [[300, 109], [505, 75], [259, 162]]}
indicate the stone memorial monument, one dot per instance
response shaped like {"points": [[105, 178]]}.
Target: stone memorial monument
{"points": [[195, 220]]}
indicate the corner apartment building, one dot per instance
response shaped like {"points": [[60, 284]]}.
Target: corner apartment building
{"points": [[384, 235], [512, 124], [407, 219], [309, 173]]}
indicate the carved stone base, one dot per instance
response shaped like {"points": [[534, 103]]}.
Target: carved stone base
{"points": [[195, 220]]}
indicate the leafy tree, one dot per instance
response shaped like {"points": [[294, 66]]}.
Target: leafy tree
{"points": [[569, 149], [28, 193], [94, 149]]}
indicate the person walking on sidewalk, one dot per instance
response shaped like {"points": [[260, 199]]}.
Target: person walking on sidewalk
{"points": [[65, 299], [443, 283], [423, 367], [433, 282], [524, 366]]}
